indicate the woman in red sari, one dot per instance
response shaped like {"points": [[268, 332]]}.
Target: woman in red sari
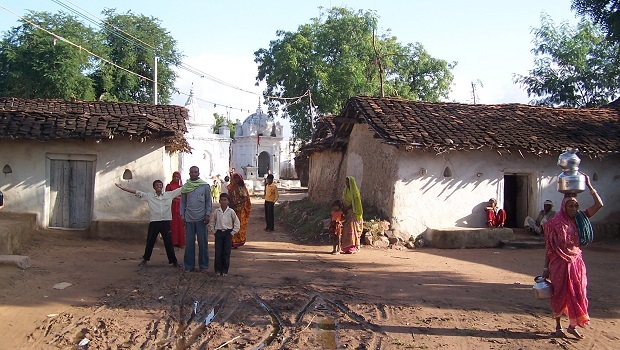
{"points": [[564, 234], [176, 225], [239, 198]]}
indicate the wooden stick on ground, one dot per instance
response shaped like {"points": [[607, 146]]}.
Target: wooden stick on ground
{"points": [[228, 342]]}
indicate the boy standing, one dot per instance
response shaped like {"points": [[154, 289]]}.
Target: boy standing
{"points": [[225, 224], [271, 197], [160, 216]]}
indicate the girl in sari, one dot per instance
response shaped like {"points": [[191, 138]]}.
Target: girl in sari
{"points": [[176, 225], [354, 222], [564, 234], [240, 202]]}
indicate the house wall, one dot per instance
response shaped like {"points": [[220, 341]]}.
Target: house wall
{"points": [[211, 154], [434, 201], [325, 184], [26, 189], [374, 166], [409, 187]]}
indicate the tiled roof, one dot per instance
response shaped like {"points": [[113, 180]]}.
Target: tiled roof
{"points": [[444, 127], [40, 119]]}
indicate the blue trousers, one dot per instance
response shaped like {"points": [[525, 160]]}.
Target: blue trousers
{"points": [[193, 230]]}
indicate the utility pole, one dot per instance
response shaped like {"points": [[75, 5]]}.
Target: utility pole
{"points": [[154, 80], [378, 60]]}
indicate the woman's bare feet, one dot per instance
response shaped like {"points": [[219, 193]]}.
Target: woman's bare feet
{"points": [[574, 332], [559, 332]]}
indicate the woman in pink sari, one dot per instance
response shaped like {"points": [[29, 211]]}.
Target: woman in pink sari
{"points": [[176, 225], [564, 234]]}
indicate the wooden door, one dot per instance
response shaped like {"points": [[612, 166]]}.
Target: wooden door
{"points": [[71, 193]]}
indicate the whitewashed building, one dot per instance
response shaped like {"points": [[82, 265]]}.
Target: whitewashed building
{"points": [[210, 150], [259, 146], [62, 159], [428, 165]]}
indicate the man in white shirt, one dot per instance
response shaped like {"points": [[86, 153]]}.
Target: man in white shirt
{"points": [[160, 216], [224, 224]]}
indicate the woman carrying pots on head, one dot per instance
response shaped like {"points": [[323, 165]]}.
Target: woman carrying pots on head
{"points": [[564, 234], [239, 198], [354, 222]]}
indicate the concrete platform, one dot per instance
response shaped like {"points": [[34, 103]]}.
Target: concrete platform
{"points": [[119, 229], [16, 232], [459, 237]]}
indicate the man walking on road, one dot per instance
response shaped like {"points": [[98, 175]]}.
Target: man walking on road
{"points": [[196, 207]]}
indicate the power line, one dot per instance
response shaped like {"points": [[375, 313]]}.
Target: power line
{"points": [[58, 37], [196, 71]]}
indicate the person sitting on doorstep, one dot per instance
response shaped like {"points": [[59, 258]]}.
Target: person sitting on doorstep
{"points": [[535, 226], [495, 217]]}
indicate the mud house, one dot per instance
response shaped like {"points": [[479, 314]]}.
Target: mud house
{"points": [[435, 165], [61, 159]]}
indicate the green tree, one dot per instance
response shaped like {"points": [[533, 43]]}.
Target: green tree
{"points": [[337, 56], [573, 67], [35, 64], [220, 120], [603, 12], [138, 57]]}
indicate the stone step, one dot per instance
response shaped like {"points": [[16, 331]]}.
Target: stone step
{"points": [[524, 243]]}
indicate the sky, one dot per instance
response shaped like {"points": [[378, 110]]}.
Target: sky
{"points": [[490, 40]]}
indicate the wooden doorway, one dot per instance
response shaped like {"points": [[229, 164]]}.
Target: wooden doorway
{"points": [[71, 187], [516, 199]]}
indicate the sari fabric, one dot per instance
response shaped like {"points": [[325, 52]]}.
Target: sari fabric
{"points": [[354, 223], [177, 229], [566, 268], [235, 193]]}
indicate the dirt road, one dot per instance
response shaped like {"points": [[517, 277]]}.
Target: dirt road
{"points": [[283, 295]]}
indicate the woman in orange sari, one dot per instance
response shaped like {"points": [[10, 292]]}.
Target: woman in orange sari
{"points": [[564, 234], [177, 229], [239, 198]]}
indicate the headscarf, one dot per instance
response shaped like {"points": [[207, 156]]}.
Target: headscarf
{"points": [[191, 185], [562, 233], [353, 198], [174, 184], [548, 201], [238, 190]]}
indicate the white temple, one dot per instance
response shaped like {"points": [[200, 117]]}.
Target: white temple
{"points": [[259, 146], [210, 150]]}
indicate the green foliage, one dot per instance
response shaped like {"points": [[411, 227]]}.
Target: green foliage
{"points": [[603, 12], [335, 57], [33, 64], [574, 67], [220, 120], [123, 86], [304, 218]]}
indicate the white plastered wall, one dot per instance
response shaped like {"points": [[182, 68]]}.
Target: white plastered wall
{"points": [[409, 186], [26, 189]]}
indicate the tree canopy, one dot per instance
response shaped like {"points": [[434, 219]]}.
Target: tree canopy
{"points": [[338, 56], [37, 64], [573, 67], [603, 12]]}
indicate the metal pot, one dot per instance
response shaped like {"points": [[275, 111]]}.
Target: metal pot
{"points": [[570, 181], [543, 289]]}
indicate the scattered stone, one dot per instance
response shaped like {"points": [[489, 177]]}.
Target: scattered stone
{"points": [[62, 285]]}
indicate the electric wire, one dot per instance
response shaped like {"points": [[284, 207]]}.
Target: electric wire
{"points": [[141, 44]]}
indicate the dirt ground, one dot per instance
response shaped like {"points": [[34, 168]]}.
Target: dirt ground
{"points": [[281, 294]]}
